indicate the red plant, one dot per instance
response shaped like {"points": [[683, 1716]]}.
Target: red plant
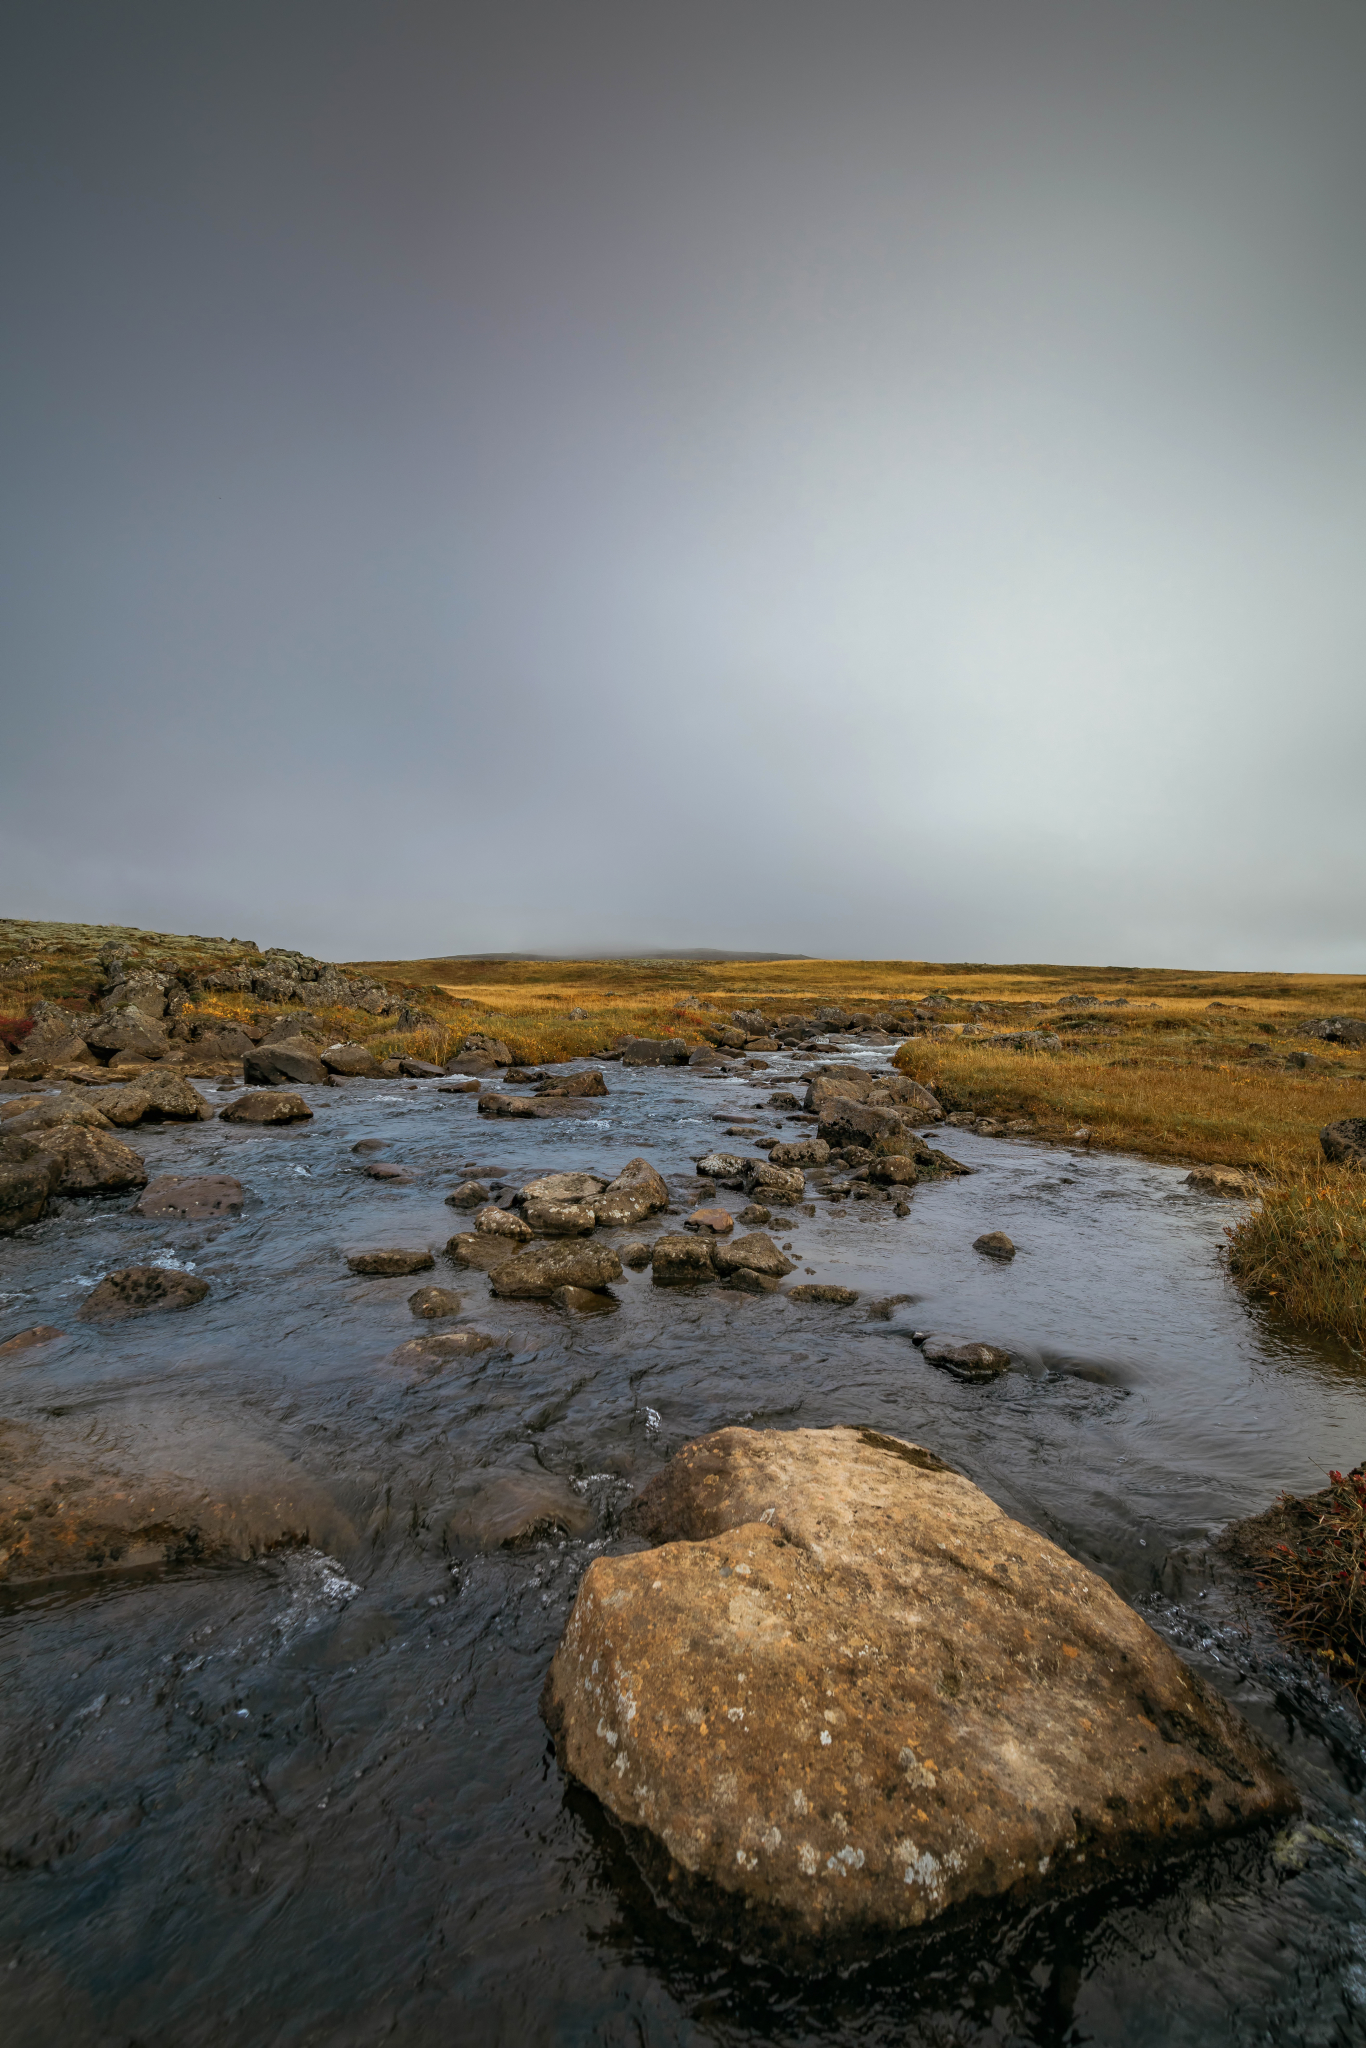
{"points": [[14, 1030]]}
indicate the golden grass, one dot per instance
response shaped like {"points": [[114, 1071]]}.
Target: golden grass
{"points": [[1304, 1249]]}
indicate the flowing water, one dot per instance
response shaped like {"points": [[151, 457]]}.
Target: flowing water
{"points": [[310, 1800]]}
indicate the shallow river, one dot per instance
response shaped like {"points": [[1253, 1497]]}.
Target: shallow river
{"points": [[311, 1800]]}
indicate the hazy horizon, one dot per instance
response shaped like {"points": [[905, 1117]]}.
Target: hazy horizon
{"points": [[886, 482]]}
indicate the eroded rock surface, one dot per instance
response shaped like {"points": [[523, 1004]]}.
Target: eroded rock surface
{"points": [[141, 1291], [192, 1200], [535, 1273], [266, 1106], [849, 1694]]}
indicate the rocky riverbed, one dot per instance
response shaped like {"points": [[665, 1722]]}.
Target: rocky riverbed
{"points": [[313, 1427]]}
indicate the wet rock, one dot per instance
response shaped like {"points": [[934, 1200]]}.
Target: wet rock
{"points": [[288, 1059], [90, 1162], [351, 1061], [141, 1291], [564, 1187], [940, 1164], [717, 1221], [25, 1185], [682, 1260], [419, 1070], [380, 1169], [266, 1107], [387, 1264], [900, 1171], [844, 1122], [581, 1086], [849, 1694], [776, 1183], [471, 1194], [745, 1281], [782, 1100], [637, 1192], [1344, 1143], [755, 1253], [965, 1361], [994, 1244], [479, 1250], [470, 1063], [493, 1104], [426, 1355], [726, 1168], [29, 1119], [583, 1301], [637, 1256], [763, 1045], [365, 1145], [190, 1200], [495, 1222], [754, 1212], [434, 1302], [73, 1505], [535, 1273], [559, 1219], [653, 1052], [499, 1508], [802, 1152], [158, 1095], [29, 1340], [458, 1087], [837, 1297]]}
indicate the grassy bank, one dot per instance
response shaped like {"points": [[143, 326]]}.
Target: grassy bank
{"points": [[1308, 1555], [1304, 1248]]}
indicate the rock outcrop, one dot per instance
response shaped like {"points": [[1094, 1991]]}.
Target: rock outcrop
{"points": [[847, 1695], [1345, 1143]]}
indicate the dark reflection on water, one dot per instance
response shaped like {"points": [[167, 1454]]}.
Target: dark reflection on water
{"points": [[311, 1801]]}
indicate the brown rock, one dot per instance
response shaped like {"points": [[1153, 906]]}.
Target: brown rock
{"points": [[726, 1167], [192, 1201], [899, 1171], [383, 1169], [846, 1122], [753, 1213], [564, 1187], [682, 1260], [434, 1302], [493, 1104], [966, 1361], [745, 1281], [287, 1059], [577, 1085], [637, 1256], [471, 1194], [141, 1291], [29, 1340], [426, 1355], [653, 1052], [158, 1095], [535, 1273], [837, 1297], [351, 1061], [91, 1162], [25, 1185], [1222, 1180], [777, 1183], [802, 1152], [994, 1244], [756, 1253], [583, 1301], [458, 1087], [480, 1251], [558, 1219], [128, 1031], [637, 1192], [266, 1107], [850, 1695], [717, 1221], [386, 1264], [1345, 1143], [495, 1222]]}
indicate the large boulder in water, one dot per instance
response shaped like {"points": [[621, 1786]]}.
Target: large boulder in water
{"points": [[286, 1059], [25, 1185], [849, 1694], [537, 1272], [88, 1162], [637, 1192]]}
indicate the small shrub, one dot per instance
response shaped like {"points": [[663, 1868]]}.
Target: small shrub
{"points": [[1309, 1554], [14, 1030]]}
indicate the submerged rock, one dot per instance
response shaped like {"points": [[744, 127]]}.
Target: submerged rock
{"points": [[191, 1200], [29, 1340], [471, 1194], [822, 1290], [25, 1185], [426, 1355], [965, 1361], [499, 1508], [391, 1263], [141, 1291], [849, 1695], [492, 1104], [480, 1250], [433, 1302]]}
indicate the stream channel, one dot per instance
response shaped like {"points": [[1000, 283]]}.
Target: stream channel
{"points": [[310, 1800]]}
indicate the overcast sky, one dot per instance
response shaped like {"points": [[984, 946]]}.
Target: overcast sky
{"points": [[863, 479]]}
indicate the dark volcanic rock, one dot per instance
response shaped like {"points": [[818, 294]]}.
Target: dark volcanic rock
{"points": [[848, 1694], [141, 1291]]}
